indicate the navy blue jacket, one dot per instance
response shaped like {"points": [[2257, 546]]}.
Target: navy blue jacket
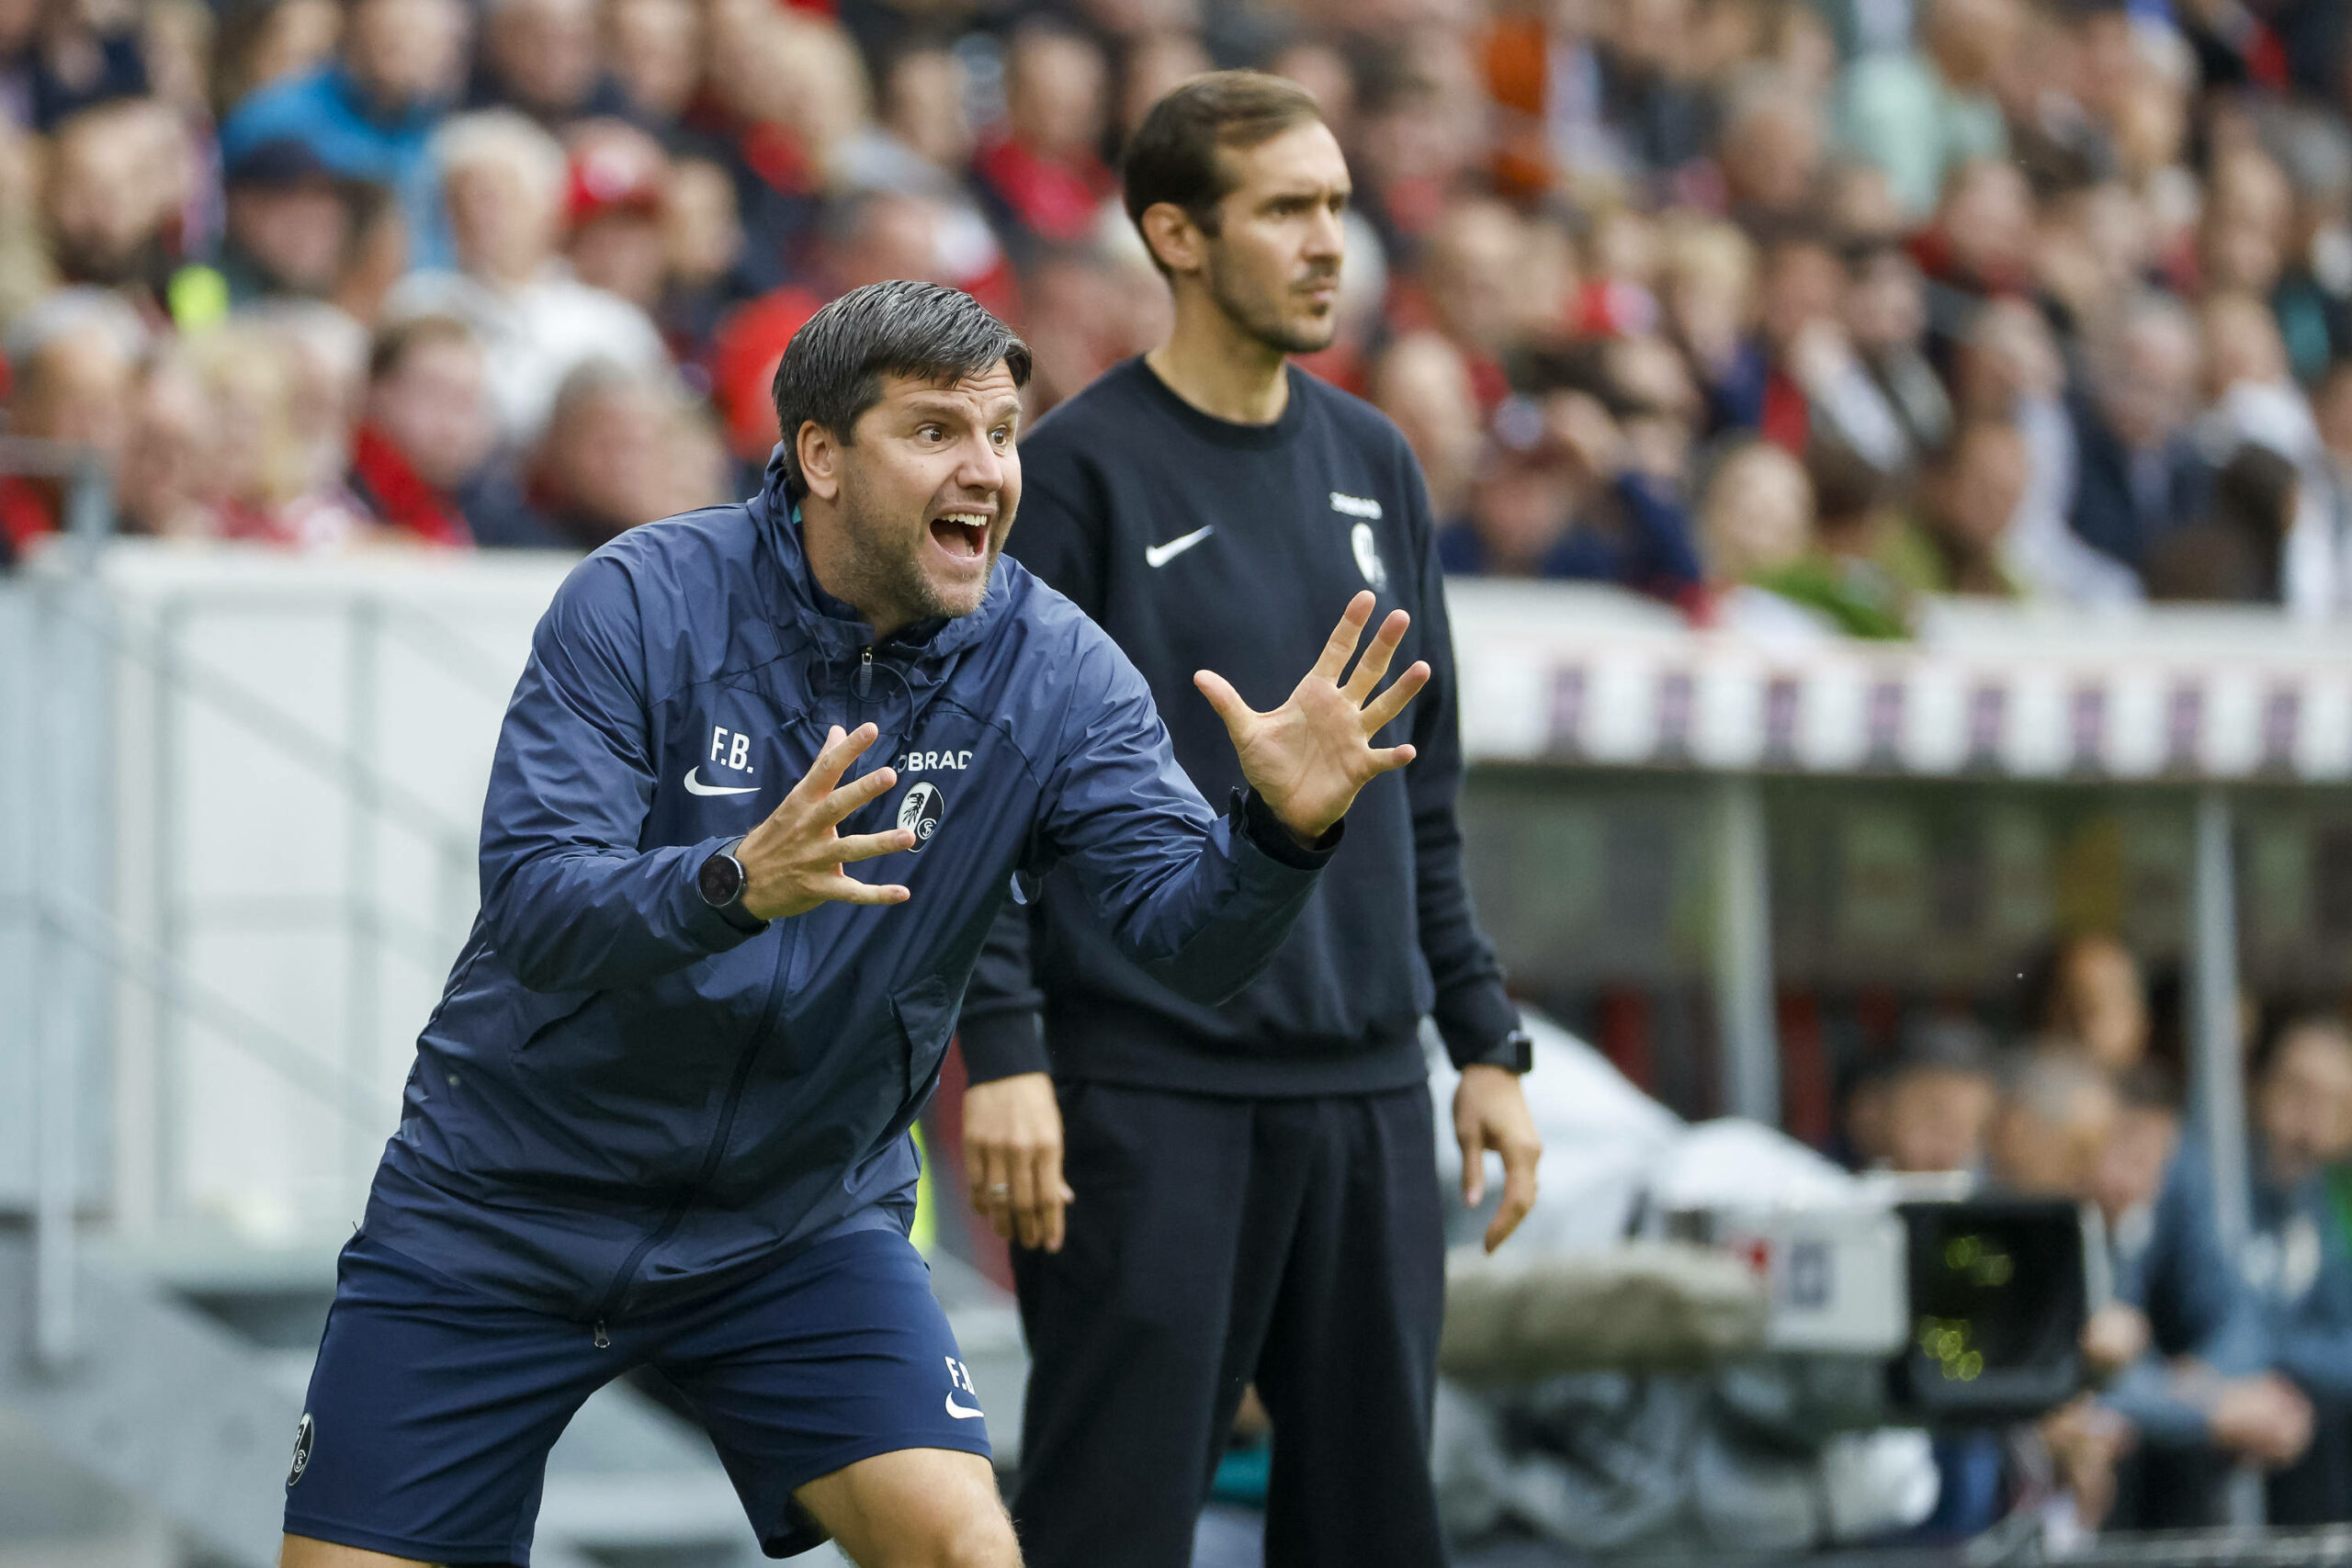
{"points": [[2109, 509], [623, 1099]]}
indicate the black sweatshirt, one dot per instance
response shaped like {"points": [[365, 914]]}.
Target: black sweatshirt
{"points": [[1199, 544]]}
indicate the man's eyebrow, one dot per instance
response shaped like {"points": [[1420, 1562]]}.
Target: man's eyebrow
{"points": [[1308, 190]]}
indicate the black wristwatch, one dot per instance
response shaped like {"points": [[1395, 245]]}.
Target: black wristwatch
{"points": [[720, 882], [1514, 1052]]}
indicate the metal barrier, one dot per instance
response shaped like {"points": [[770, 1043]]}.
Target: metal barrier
{"points": [[117, 728]]}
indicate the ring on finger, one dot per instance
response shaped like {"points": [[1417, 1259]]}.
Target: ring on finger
{"points": [[999, 1189]]}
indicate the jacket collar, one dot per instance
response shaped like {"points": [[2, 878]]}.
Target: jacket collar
{"points": [[834, 629]]}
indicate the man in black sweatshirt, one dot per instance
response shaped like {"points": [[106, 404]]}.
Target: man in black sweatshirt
{"points": [[1251, 1192]]}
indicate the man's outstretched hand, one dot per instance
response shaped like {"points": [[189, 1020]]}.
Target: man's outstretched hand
{"points": [[1307, 758], [792, 861]]}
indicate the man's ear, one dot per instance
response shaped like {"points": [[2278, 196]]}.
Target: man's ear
{"points": [[1173, 237], [820, 457]]}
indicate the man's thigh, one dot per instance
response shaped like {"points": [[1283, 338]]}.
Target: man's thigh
{"points": [[301, 1552], [914, 1509], [431, 1411], [837, 1356]]}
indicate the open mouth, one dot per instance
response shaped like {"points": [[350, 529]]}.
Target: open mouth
{"points": [[964, 534]]}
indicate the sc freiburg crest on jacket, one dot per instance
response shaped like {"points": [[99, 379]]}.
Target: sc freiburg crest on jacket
{"points": [[920, 810]]}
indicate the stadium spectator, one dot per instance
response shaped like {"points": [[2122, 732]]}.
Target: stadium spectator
{"points": [[109, 201], [1558, 498], [57, 61], [1886, 321], [924, 109], [605, 463], [1475, 275], [1919, 114], [1423, 384], [1044, 179], [370, 113], [2184, 1348], [1769, 148], [427, 432], [507, 182], [2296, 1262], [291, 223], [617, 237], [2008, 367], [654, 50], [75, 356], [541, 57], [2236, 553], [2138, 473], [1940, 1096], [2090, 990], [326, 355], [74, 359], [161, 490], [1755, 531], [260, 483], [1958, 541]]}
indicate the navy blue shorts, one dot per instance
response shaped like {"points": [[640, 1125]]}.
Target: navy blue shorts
{"points": [[432, 1406]]}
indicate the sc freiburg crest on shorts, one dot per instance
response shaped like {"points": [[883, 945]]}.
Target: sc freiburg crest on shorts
{"points": [[920, 810], [304, 1431]]}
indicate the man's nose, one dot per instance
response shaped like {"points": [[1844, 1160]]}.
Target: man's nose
{"points": [[983, 464], [1327, 236]]}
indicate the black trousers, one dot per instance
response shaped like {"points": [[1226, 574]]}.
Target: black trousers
{"points": [[1295, 1243]]}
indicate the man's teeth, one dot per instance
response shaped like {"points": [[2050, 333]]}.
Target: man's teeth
{"points": [[975, 527]]}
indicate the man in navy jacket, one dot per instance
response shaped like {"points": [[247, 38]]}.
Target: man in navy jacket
{"points": [[661, 1115]]}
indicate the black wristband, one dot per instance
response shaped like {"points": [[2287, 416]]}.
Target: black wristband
{"points": [[1514, 1052]]}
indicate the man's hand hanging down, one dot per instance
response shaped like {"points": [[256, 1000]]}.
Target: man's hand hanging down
{"points": [[1490, 1112], [1013, 1151], [792, 861], [1307, 758]]}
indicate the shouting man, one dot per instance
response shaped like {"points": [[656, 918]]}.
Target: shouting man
{"points": [[661, 1115]]}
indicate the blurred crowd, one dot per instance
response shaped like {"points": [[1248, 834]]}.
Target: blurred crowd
{"points": [[1788, 312], [2211, 1361]]}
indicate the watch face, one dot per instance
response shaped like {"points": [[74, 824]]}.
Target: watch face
{"points": [[720, 879]]}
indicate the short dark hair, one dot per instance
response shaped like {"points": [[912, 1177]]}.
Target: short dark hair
{"points": [[831, 371], [393, 344], [1173, 155]]}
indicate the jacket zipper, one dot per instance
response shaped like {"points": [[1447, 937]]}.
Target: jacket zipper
{"points": [[711, 1155], [864, 682]]}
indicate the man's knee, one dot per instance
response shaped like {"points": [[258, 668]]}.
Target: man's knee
{"points": [[948, 1538], [983, 1540]]}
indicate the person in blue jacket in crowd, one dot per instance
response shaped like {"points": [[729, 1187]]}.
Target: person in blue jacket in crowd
{"points": [[2184, 1344], [370, 115], [661, 1115], [2295, 1264]]}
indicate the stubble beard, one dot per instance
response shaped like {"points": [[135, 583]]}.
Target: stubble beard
{"points": [[1263, 319], [887, 571]]}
